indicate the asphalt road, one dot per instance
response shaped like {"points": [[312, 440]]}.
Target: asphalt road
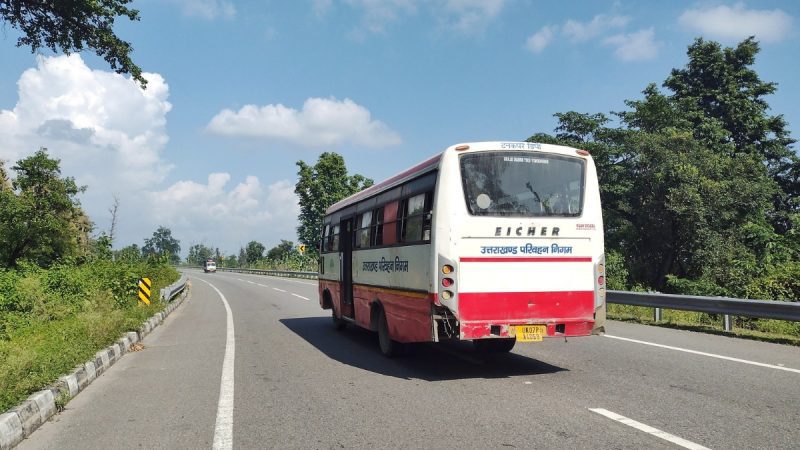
{"points": [[292, 381]]}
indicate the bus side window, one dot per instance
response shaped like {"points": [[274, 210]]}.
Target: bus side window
{"points": [[363, 233], [334, 241], [413, 218], [324, 239], [376, 228], [390, 220]]}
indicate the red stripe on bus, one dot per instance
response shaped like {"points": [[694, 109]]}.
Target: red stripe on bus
{"points": [[503, 307], [514, 260]]}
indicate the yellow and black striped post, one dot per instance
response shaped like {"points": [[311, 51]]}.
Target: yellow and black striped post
{"points": [[144, 290]]}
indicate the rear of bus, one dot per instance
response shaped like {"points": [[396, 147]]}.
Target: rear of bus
{"points": [[519, 243]]}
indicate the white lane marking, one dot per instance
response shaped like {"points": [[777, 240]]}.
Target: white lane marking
{"points": [[262, 285], [250, 282], [648, 429], [223, 428], [279, 290], [300, 296], [711, 355], [241, 279]]}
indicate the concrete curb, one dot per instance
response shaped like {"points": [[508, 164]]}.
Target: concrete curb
{"points": [[19, 422]]}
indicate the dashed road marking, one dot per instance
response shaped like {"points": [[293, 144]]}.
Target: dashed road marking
{"points": [[648, 429], [710, 355], [279, 290], [300, 296]]}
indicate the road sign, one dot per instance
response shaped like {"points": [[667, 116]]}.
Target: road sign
{"points": [[144, 290], [301, 248]]}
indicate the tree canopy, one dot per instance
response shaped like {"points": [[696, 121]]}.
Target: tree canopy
{"points": [[40, 217], [699, 184], [254, 251], [318, 187], [163, 244], [199, 253], [73, 26]]}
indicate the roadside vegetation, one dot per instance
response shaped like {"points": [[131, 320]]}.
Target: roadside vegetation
{"points": [[64, 294]]}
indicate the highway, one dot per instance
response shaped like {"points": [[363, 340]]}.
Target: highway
{"points": [[253, 362]]}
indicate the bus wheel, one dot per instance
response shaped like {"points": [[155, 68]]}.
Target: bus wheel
{"points": [[387, 345], [494, 345], [338, 323]]}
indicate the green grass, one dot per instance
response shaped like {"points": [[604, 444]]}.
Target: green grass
{"points": [[48, 327], [777, 331]]}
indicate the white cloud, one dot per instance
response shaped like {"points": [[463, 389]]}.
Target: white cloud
{"points": [[541, 39], [321, 122], [465, 16], [207, 9], [83, 116], [737, 22], [599, 25], [473, 15], [321, 7], [636, 46], [214, 214], [379, 13]]}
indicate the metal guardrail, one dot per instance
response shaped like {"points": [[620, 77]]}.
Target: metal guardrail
{"points": [[761, 309], [728, 307], [169, 292], [274, 273]]}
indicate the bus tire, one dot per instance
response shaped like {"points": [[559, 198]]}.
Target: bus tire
{"points": [[387, 345], [494, 345], [338, 323]]}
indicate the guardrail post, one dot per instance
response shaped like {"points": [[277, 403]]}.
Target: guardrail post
{"points": [[657, 314], [727, 322]]}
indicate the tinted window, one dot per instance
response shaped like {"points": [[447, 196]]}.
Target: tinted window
{"points": [[522, 184]]}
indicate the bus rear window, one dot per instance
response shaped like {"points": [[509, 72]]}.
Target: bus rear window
{"points": [[522, 184]]}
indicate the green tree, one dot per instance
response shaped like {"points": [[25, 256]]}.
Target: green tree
{"points": [[696, 193], [281, 251], [72, 26], [320, 186], [722, 99], [163, 244], [40, 216], [129, 254], [254, 251], [198, 253]]}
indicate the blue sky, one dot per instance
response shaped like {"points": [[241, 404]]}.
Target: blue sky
{"points": [[241, 90]]}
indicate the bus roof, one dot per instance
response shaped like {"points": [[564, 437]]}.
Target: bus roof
{"points": [[425, 166], [433, 162]]}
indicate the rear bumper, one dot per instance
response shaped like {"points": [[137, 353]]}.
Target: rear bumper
{"points": [[487, 329]]}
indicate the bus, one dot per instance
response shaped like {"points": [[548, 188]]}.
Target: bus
{"points": [[492, 242], [209, 266]]}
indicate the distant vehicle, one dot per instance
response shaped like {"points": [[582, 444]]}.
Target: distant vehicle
{"points": [[209, 266], [493, 242]]}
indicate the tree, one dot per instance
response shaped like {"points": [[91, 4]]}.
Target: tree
{"points": [[72, 26], [697, 184], [198, 254], [129, 254], [318, 187], [254, 251], [113, 210], [40, 216], [281, 250], [162, 243], [720, 98], [242, 259]]}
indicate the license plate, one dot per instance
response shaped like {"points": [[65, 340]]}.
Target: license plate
{"points": [[530, 333]]}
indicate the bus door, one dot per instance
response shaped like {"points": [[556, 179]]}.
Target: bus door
{"points": [[346, 294]]}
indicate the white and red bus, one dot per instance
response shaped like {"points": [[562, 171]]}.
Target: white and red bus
{"points": [[494, 242]]}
